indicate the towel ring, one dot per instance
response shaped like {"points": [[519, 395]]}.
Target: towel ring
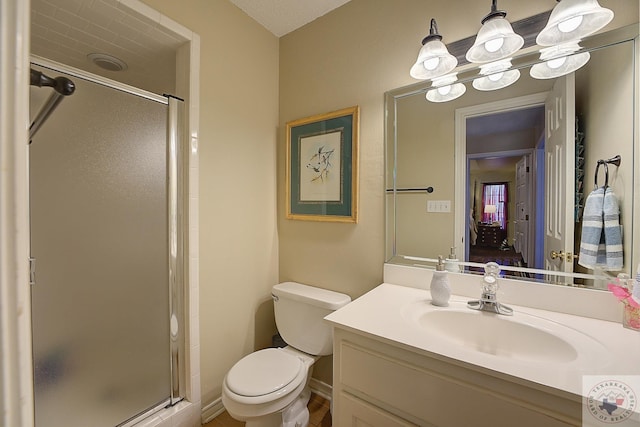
{"points": [[606, 174]]}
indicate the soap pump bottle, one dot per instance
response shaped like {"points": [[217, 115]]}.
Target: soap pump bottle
{"points": [[451, 263], [440, 290]]}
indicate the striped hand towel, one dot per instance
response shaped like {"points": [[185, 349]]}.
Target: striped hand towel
{"points": [[612, 232], [592, 243]]}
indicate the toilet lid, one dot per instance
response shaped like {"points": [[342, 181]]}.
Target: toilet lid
{"points": [[263, 372]]}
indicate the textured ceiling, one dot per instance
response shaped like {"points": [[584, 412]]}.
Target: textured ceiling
{"points": [[66, 31], [283, 16]]}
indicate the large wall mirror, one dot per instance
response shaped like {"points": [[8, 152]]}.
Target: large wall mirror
{"points": [[488, 175]]}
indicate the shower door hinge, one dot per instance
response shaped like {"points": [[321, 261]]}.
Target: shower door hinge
{"points": [[32, 271]]}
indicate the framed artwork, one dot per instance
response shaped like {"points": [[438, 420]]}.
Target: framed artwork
{"points": [[322, 167]]}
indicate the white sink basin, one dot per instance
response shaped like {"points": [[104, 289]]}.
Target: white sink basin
{"points": [[497, 335], [521, 337]]}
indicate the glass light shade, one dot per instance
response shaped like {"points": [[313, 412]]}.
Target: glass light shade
{"points": [[505, 78], [434, 60], [445, 89], [573, 20], [496, 75], [495, 40], [558, 61]]}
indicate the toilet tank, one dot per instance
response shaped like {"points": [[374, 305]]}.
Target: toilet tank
{"points": [[300, 311]]}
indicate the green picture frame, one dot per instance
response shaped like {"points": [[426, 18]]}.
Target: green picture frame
{"points": [[322, 167]]}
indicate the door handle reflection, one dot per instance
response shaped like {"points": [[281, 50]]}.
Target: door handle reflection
{"points": [[556, 255], [562, 256]]}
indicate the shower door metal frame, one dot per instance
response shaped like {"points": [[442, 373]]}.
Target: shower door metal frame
{"points": [[176, 190], [175, 193]]}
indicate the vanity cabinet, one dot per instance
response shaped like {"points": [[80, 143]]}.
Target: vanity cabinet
{"points": [[490, 236], [381, 383]]}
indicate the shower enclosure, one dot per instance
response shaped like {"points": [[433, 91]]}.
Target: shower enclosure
{"points": [[106, 244]]}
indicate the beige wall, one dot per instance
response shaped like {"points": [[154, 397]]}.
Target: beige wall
{"points": [[425, 157], [352, 56], [609, 75], [348, 57], [238, 239]]}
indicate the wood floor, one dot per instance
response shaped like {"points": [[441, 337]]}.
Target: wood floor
{"points": [[319, 415], [503, 257]]}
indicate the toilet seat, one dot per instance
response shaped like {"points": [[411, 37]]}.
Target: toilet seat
{"points": [[265, 372]]}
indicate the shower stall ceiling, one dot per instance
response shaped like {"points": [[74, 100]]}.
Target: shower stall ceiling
{"points": [[67, 31]]}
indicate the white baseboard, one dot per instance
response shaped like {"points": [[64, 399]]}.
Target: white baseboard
{"points": [[215, 408], [320, 388], [212, 410]]}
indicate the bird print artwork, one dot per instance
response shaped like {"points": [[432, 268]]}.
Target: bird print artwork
{"points": [[320, 167], [320, 163]]}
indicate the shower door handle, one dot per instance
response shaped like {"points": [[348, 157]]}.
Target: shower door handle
{"points": [[32, 271]]}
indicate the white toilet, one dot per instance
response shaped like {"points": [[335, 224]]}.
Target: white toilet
{"points": [[270, 387]]}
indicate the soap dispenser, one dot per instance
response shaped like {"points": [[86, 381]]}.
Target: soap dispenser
{"points": [[440, 290], [451, 263]]}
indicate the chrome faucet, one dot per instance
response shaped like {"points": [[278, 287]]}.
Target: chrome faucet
{"points": [[489, 300]]}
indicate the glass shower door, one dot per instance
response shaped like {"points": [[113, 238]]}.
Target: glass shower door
{"points": [[99, 231]]}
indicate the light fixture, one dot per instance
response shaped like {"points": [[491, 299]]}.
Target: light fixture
{"points": [[558, 61], [490, 209], [489, 212], [445, 89], [434, 59], [496, 39], [496, 75], [572, 20]]}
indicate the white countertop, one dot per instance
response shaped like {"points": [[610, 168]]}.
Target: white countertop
{"points": [[382, 313]]}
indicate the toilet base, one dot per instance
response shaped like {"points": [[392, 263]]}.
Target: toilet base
{"points": [[294, 415]]}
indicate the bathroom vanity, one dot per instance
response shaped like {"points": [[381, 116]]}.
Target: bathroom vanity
{"points": [[400, 361]]}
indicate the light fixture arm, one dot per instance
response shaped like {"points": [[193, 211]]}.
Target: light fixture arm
{"points": [[433, 33], [495, 13], [433, 58]]}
